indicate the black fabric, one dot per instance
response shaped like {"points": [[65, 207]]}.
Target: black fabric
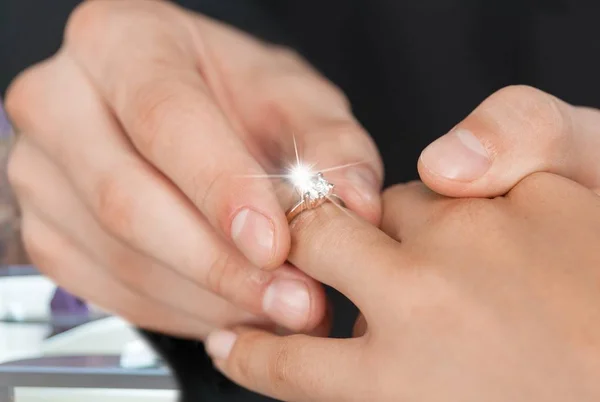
{"points": [[411, 69]]}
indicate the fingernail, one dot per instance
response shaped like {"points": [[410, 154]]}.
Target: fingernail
{"points": [[287, 302], [218, 344], [364, 181], [458, 155], [253, 234]]}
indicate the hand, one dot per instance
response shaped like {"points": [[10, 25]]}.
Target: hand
{"points": [[517, 131], [136, 137], [468, 300]]}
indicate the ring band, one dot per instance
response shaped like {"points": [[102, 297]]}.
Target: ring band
{"points": [[301, 206], [314, 196]]}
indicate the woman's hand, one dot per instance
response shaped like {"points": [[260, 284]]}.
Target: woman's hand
{"points": [[138, 140], [517, 131], [470, 300]]}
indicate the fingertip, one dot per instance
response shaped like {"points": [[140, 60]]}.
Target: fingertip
{"points": [[439, 184], [314, 308], [369, 211], [453, 188], [218, 344], [456, 164], [263, 238]]}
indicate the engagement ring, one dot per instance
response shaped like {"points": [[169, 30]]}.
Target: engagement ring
{"points": [[313, 189]]}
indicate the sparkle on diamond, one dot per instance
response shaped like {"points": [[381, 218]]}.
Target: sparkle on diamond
{"points": [[309, 183]]}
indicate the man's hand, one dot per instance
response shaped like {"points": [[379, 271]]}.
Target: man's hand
{"points": [[470, 300], [517, 131], [133, 170]]}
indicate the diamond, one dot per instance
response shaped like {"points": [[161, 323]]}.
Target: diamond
{"points": [[313, 187], [319, 187]]}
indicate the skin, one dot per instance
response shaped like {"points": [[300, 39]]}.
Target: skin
{"points": [[517, 130], [481, 299], [130, 162]]}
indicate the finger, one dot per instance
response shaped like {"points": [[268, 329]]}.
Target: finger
{"points": [[63, 263], [153, 86], [291, 368], [344, 154], [55, 106], [41, 186], [515, 132], [303, 117], [339, 249], [407, 208]]}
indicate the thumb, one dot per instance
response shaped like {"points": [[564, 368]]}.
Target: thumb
{"points": [[290, 368], [515, 132]]}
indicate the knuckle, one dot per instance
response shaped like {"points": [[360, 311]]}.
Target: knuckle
{"points": [[16, 168], [115, 205], [542, 115], [154, 111], [95, 29], [98, 25], [244, 355], [16, 96], [127, 265], [23, 176], [286, 55], [88, 19], [148, 108], [23, 95], [285, 370], [278, 367], [279, 373], [206, 184], [221, 272]]}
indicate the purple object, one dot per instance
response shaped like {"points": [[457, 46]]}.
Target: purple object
{"points": [[67, 310], [64, 303], [5, 128]]}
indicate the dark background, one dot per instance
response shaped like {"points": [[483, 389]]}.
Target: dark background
{"points": [[412, 69]]}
